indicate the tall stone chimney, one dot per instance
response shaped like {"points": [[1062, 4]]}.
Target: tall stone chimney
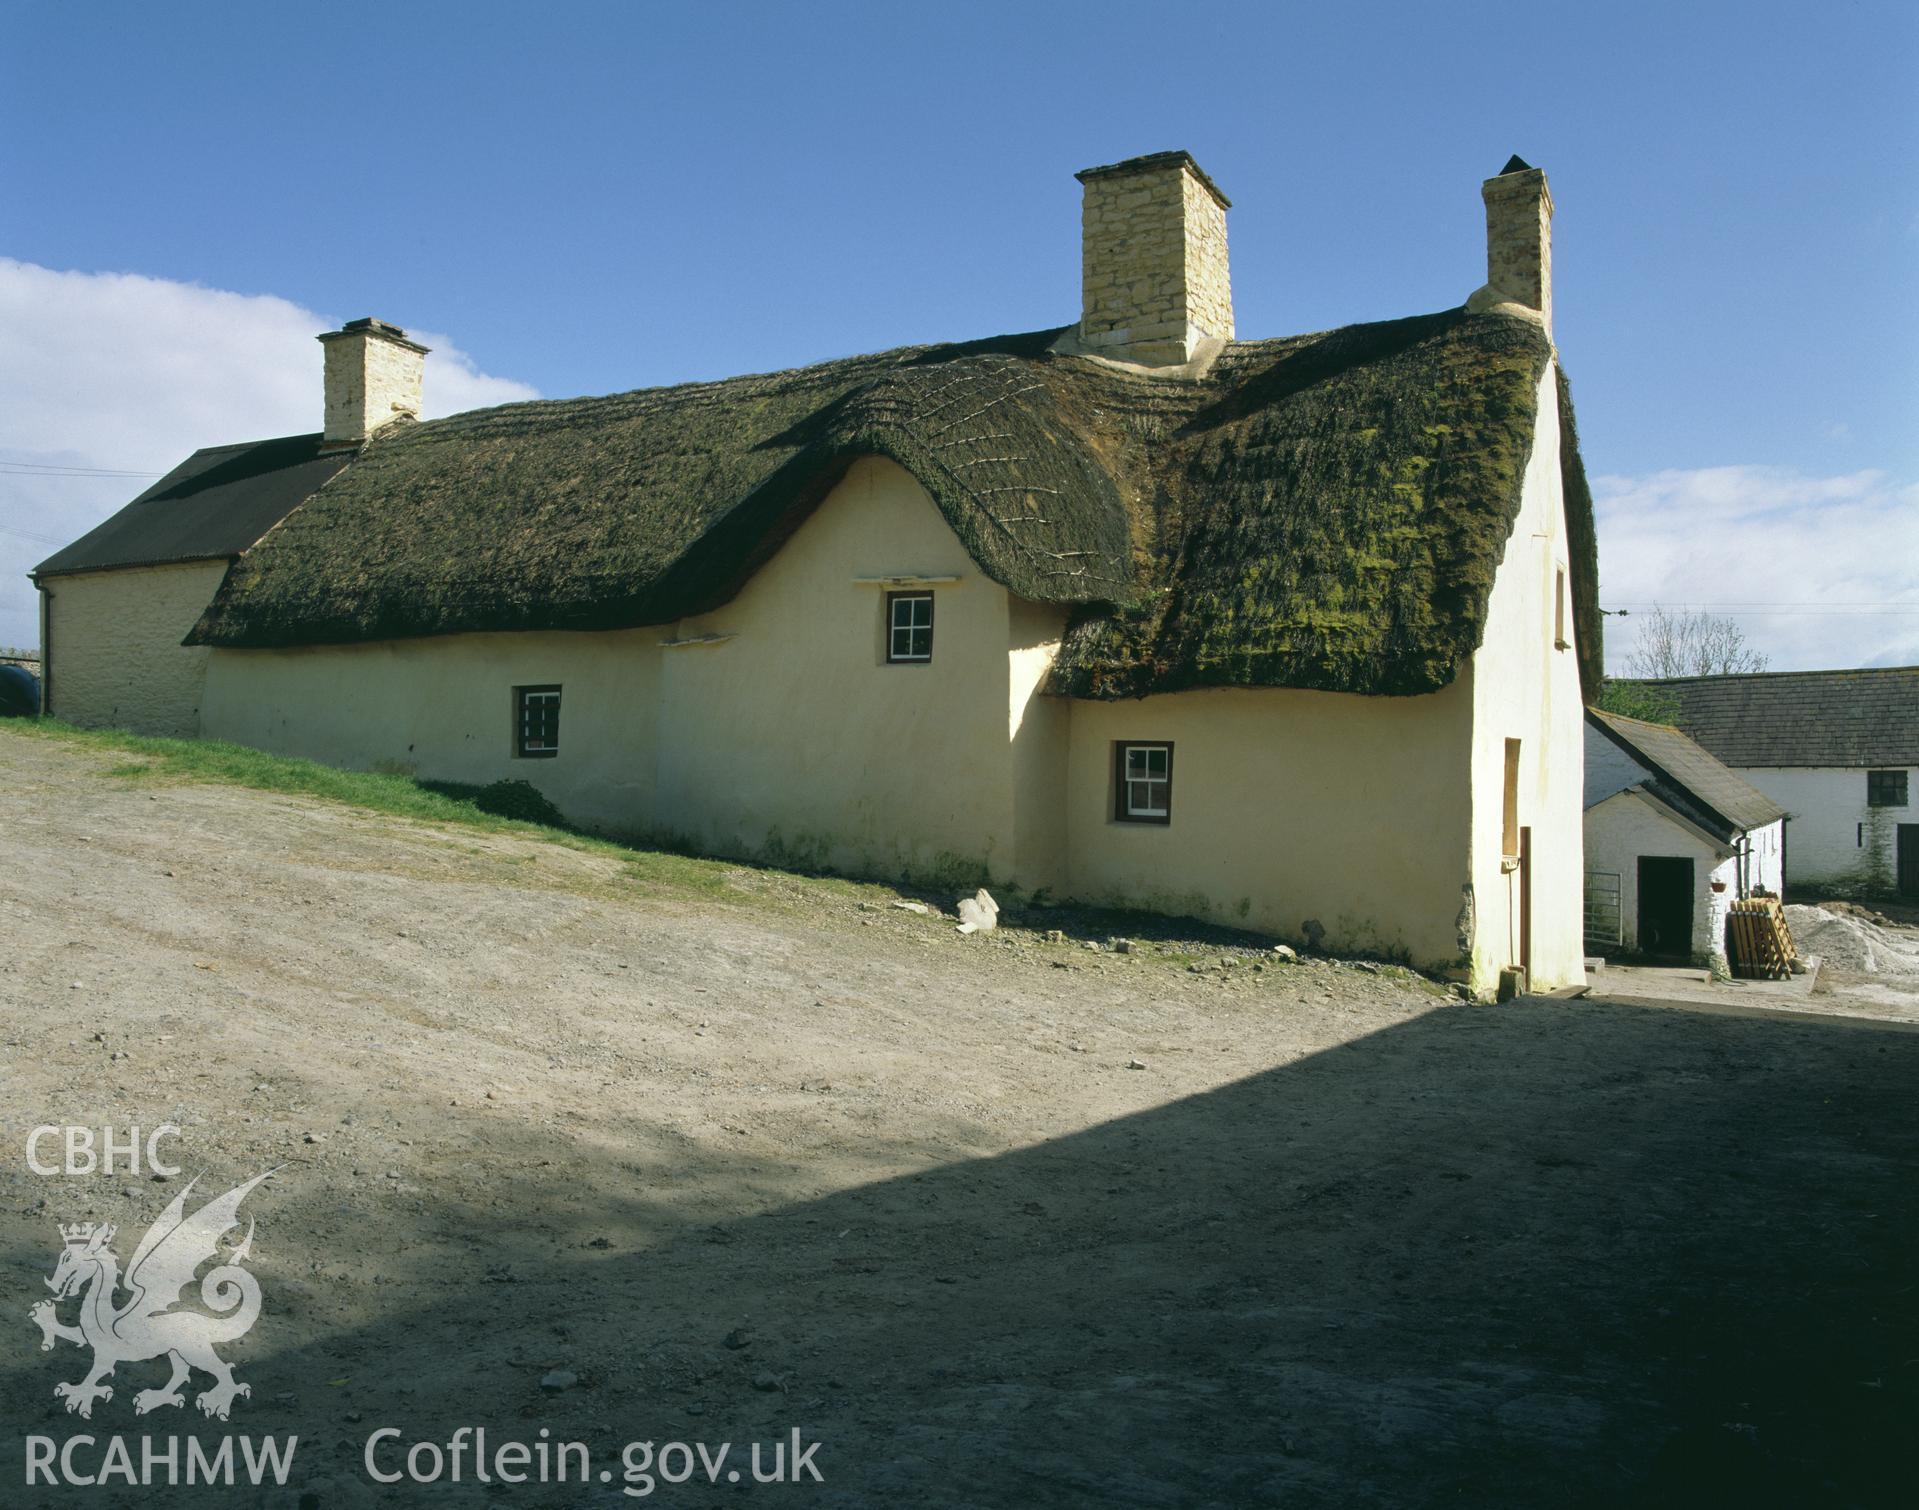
{"points": [[1154, 284], [374, 375], [1519, 239]]}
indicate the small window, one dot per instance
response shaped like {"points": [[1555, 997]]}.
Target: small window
{"points": [[1885, 789], [536, 722], [1143, 781], [909, 627], [1509, 807]]}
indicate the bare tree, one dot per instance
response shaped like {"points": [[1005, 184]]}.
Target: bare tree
{"points": [[1690, 644]]}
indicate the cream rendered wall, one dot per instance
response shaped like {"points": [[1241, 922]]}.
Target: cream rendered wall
{"points": [[1835, 839], [114, 656], [1287, 805], [442, 708], [1041, 730], [791, 739], [1526, 687], [797, 741]]}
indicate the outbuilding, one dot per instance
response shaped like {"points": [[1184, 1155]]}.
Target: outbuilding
{"points": [[1673, 838], [1838, 750]]}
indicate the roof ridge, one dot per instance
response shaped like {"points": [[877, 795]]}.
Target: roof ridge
{"points": [[1627, 718], [1753, 676], [248, 445], [894, 356], [918, 353]]}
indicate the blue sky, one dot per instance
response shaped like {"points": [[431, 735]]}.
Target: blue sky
{"points": [[585, 198]]}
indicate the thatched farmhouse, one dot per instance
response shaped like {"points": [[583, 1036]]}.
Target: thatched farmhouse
{"points": [[1673, 839], [1838, 750], [1266, 631]]}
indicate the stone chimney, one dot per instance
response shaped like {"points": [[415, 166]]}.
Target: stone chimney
{"points": [[1519, 240], [1154, 286], [374, 375]]}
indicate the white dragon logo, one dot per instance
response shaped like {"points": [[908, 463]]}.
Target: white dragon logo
{"points": [[147, 1325]]}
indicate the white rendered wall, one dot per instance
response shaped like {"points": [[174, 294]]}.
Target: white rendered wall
{"points": [[1833, 839], [1622, 829]]}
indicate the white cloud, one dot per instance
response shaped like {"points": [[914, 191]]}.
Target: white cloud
{"points": [[116, 370], [1809, 567]]}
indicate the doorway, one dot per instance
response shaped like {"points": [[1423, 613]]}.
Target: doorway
{"points": [[1665, 907], [1909, 859]]}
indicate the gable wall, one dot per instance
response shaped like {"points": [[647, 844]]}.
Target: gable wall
{"points": [[1626, 826], [1609, 769], [114, 657], [1525, 687]]}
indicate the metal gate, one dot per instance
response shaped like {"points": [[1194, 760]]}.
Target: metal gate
{"points": [[1602, 910]]}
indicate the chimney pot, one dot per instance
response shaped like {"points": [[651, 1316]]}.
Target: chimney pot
{"points": [[374, 375]]}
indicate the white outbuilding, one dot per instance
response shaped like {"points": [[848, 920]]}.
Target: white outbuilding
{"points": [[1673, 838], [1838, 750]]}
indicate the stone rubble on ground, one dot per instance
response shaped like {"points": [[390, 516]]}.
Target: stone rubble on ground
{"points": [[978, 913]]}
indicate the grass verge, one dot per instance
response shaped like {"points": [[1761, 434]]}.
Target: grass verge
{"points": [[447, 802]]}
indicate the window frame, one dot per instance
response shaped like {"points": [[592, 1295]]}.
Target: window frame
{"points": [[893, 629], [1123, 783], [1882, 784], [521, 698]]}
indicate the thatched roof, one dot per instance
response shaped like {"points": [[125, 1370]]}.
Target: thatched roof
{"points": [[1324, 511]]}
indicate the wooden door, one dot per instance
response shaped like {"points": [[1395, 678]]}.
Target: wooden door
{"points": [[1526, 904], [1909, 859], [1665, 907]]}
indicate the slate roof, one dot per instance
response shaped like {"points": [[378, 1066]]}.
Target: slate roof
{"points": [[1687, 778], [1321, 511], [1803, 718], [215, 504]]}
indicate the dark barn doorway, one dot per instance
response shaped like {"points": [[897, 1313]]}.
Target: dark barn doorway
{"points": [[1909, 859], [1665, 907]]}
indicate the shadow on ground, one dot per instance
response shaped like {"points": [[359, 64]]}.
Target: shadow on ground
{"points": [[1671, 1264]]}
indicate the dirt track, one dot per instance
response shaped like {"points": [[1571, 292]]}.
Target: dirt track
{"points": [[1336, 1243]]}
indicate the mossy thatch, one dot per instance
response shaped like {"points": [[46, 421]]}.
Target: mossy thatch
{"points": [[1325, 511], [1331, 518], [1582, 543]]}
